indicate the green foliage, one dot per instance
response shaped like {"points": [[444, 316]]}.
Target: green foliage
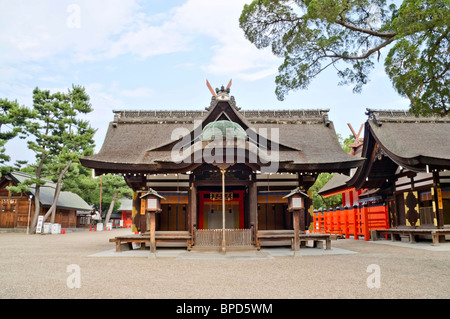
{"points": [[312, 35], [320, 202], [336, 200], [109, 185], [57, 128], [57, 135], [12, 120]]}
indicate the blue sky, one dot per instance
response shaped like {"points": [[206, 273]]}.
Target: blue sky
{"points": [[157, 55]]}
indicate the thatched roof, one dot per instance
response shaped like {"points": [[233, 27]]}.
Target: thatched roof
{"points": [[141, 141], [394, 139]]}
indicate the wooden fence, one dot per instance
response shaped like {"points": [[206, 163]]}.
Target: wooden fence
{"points": [[213, 237], [356, 221]]}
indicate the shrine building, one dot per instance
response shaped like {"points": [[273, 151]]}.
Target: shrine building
{"points": [[220, 168]]}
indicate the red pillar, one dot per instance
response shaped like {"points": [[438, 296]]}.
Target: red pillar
{"points": [[365, 217], [355, 221]]}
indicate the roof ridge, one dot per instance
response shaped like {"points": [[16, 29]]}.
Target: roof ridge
{"points": [[138, 115], [32, 176], [398, 116]]}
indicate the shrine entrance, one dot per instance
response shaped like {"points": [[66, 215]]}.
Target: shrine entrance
{"points": [[210, 209], [210, 230]]}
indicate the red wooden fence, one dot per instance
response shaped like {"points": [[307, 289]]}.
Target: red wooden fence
{"points": [[356, 221]]}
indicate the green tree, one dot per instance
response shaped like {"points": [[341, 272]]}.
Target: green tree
{"points": [[313, 35], [58, 138], [12, 119], [78, 179], [323, 178], [109, 188]]}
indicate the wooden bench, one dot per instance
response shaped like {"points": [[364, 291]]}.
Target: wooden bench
{"points": [[319, 240], [437, 234], [288, 235], [183, 237], [274, 235]]}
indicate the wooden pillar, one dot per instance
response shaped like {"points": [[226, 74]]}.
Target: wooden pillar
{"points": [[152, 232], [438, 199], [296, 221], [253, 206], [302, 220], [192, 205], [223, 211]]}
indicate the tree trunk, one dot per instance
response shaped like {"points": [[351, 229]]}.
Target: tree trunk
{"points": [[37, 203], [52, 209], [111, 207]]}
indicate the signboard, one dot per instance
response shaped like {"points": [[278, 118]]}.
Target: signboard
{"points": [[439, 197], [9, 201], [142, 207], [218, 196], [39, 224]]}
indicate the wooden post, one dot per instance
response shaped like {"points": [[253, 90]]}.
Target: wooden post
{"points": [[223, 212], [152, 232], [438, 199], [192, 205], [296, 221], [253, 206], [302, 221]]}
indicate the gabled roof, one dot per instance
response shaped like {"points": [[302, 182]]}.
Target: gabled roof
{"points": [[397, 138], [142, 141], [66, 200], [336, 185], [412, 142]]}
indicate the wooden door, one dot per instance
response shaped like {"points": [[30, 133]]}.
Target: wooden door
{"points": [[7, 213], [7, 219]]}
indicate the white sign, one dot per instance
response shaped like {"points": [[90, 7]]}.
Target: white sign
{"points": [[100, 227], [39, 224], [297, 202], [152, 203]]}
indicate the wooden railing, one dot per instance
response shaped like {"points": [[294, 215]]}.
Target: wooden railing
{"points": [[426, 215], [356, 221], [213, 237]]}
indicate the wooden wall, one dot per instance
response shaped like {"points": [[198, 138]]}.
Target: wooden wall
{"points": [[14, 209]]}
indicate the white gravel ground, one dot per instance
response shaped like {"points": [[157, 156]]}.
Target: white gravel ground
{"points": [[36, 266]]}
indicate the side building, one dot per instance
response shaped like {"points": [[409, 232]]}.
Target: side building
{"points": [[407, 169], [17, 210]]}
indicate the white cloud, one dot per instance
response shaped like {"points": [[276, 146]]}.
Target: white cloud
{"points": [[137, 93], [112, 28], [232, 55]]}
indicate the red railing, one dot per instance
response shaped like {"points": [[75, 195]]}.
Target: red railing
{"points": [[356, 221]]}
